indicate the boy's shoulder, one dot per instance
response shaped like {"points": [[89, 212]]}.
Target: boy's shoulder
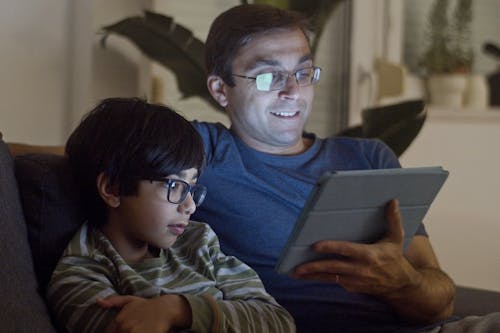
{"points": [[197, 235], [81, 244], [197, 230], [91, 243]]}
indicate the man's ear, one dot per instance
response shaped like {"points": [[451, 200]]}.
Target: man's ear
{"points": [[217, 88], [108, 193]]}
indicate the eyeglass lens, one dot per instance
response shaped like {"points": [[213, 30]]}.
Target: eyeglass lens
{"points": [[277, 80], [178, 190]]}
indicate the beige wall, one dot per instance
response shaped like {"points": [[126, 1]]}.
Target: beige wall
{"points": [[33, 62], [464, 221], [53, 70]]}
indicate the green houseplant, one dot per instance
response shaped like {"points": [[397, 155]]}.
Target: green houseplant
{"points": [[449, 55], [449, 47]]}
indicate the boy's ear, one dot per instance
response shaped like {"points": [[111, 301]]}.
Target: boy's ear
{"points": [[108, 193], [217, 88]]}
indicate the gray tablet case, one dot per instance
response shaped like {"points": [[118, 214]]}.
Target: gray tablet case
{"points": [[350, 205]]}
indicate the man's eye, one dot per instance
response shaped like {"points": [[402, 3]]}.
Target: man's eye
{"points": [[303, 72]]}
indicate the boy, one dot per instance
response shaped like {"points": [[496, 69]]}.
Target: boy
{"points": [[137, 166]]}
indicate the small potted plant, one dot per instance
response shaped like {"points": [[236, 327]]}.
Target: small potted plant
{"points": [[448, 57]]}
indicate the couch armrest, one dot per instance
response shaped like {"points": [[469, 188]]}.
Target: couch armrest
{"points": [[474, 301]]}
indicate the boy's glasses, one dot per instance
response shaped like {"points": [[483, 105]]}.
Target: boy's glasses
{"points": [[177, 190], [277, 80]]}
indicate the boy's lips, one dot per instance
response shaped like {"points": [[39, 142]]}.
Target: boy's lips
{"points": [[176, 229]]}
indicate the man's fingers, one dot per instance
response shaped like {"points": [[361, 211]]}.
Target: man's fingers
{"points": [[340, 248], [395, 231]]}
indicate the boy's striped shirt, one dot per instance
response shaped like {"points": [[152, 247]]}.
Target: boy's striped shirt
{"points": [[225, 294]]}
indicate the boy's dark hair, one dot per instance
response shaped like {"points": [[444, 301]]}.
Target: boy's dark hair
{"points": [[235, 27], [129, 139]]}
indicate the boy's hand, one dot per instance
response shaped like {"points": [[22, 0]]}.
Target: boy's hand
{"points": [[137, 314]]}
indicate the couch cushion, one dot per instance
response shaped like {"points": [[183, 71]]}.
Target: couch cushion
{"points": [[23, 309], [51, 208]]}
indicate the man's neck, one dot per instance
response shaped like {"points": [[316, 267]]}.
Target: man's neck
{"points": [[298, 148]]}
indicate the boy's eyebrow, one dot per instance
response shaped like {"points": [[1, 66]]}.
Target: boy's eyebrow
{"points": [[182, 174]]}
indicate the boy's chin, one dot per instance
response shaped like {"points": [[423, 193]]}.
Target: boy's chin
{"points": [[165, 244]]}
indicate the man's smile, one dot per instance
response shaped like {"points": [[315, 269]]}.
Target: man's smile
{"points": [[285, 114]]}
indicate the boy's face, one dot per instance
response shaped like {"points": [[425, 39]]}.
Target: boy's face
{"points": [[148, 218], [271, 121]]}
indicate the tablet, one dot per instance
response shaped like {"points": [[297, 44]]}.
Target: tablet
{"points": [[350, 206]]}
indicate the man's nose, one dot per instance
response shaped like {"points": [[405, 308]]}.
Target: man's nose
{"points": [[291, 88]]}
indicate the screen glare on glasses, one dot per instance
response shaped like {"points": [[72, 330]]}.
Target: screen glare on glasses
{"points": [[277, 80]]}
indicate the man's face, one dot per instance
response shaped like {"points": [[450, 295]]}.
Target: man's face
{"points": [[271, 121]]}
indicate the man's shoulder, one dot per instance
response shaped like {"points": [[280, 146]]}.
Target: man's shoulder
{"points": [[370, 152], [207, 128], [343, 143], [353, 141], [216, 137]]}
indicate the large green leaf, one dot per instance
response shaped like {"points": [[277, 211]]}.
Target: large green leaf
{"points": [[397, 124], [171, 45], [319, 11]]}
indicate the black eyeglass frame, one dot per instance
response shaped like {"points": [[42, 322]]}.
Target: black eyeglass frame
{"points": [[316, 73], [190, 189]]}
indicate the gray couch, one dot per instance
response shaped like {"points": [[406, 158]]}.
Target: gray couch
{"points": [[39, 212]]}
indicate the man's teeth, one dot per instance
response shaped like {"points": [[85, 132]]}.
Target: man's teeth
{"points": [[285, 114]]}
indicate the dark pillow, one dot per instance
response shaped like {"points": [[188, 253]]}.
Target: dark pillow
{"points": [[51, 206], [23, 308]]}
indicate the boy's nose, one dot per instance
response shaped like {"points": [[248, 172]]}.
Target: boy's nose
{"points": [[188, 206]]}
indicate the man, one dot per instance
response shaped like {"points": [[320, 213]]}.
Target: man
{"points": [[261, 170]]}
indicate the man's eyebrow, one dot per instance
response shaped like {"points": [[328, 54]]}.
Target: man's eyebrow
{"points": [[305, 58], [263, 62], [271, 62]]}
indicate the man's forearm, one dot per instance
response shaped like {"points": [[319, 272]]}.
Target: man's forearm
{"points": [[430, 300]]}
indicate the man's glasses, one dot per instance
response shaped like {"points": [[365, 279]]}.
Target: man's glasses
{"points": [[177, 190], [277, 80]]}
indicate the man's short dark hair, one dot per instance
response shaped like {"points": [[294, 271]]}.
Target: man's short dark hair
{"points": [[235, 27], [128, 140]]}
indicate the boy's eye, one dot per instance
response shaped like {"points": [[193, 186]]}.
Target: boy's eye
{"points": [[175, 186]]}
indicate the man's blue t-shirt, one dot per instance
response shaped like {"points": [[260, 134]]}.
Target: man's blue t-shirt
{"points": [[253, 201]]}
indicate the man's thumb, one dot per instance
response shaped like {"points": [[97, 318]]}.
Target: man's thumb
{"points": [[395, 231]]}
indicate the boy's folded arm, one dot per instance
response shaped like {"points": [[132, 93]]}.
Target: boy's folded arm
{"points": [[72, 294], [246, 306], [158, 314], [238, 315]]}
